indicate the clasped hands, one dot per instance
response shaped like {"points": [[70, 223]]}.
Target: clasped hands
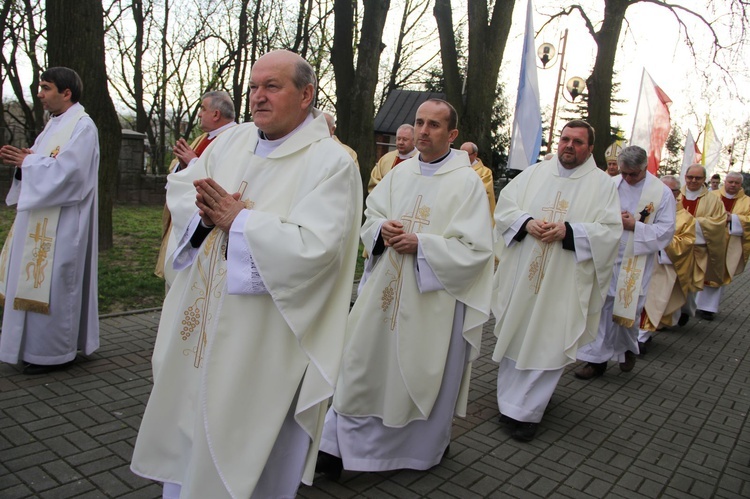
{"points": [[546, 232], [14, 156], [215, 205], [393, 234], [183, 152]]}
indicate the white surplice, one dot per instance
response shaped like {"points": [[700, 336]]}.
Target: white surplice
{"points": [[547, 299], [68, 180], [613, 340], [416, 326], [250, 338]]}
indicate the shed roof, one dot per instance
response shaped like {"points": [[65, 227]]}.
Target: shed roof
{"points": [[401, 107]]}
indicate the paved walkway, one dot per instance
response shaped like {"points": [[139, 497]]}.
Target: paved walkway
{"points": [[677, 426]]}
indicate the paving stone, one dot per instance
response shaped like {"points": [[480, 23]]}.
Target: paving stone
{"points": [[674, 427]]}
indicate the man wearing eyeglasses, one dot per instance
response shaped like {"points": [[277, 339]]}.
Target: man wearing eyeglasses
{"points": [[648, 221], [737, 206], [710, 235]]}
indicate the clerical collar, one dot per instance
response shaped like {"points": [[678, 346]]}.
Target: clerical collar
{"points": [[692, 195], [564, 172], [407, 155], [475, 162], [213, 133], [266, 146], [729, 196], [429, 169]]}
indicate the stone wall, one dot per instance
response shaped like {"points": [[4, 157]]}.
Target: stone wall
{"points": [[134, 186]]}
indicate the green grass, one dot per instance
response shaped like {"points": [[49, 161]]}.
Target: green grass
{"points": [[126, 272]]}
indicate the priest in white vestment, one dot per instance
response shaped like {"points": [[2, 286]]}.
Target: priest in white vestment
{"points": [[48, 266], [417, 324], [737, 205], [557, 227], [648, 220], [252, 330]]}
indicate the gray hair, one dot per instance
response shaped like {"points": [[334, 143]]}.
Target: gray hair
{"points": [[221, 101], [406, 126], [632, 157], [304, 75], [734, 174], [472, 145], [673, 179]]}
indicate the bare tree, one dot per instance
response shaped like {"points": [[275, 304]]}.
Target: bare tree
{"points": [[80, 46], [474, 96], [607, 38], [410, 41], [22, 31], [355, 85]]}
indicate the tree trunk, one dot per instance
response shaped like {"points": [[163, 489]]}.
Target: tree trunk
{"points": [[487, 40], [599, 84], [355, 89], [79, 45], [449, 55]]}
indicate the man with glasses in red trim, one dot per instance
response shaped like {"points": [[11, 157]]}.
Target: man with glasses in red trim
{"points": [[737, 206], [710, 235]]}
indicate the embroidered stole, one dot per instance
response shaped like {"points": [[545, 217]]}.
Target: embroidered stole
{"points": [[33, 291], [631, 270]]}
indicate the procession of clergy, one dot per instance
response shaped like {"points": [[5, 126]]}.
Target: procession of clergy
{"points": [[263, 376]]}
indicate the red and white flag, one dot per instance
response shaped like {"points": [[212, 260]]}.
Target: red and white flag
{"points": [[651, 124], [690, 156]]}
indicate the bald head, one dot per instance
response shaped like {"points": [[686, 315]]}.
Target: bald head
{"points": [[282, 92], [471, 149]]}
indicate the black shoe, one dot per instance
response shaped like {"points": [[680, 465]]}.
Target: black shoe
{"points": [[330, 465], [34, 369], [590, 370], [684, 318], [643, 347], [629, 363], [705, 314], [524, 432], [508, 420]]}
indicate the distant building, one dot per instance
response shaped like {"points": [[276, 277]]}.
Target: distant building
{"points": [[399, 107]]}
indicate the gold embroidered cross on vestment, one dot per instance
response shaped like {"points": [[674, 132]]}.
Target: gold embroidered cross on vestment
{"points": [[43, 243], [632, 273], [557, 211], [413, 223], [211, 272]]}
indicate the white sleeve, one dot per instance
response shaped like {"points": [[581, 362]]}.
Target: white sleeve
{"points": [[582, 243], [426, 279], [512, 231], [736, 226], [243, 276], [185, 254]]}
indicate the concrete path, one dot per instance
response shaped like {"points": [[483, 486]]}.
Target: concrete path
{"points": [[677, 426]]}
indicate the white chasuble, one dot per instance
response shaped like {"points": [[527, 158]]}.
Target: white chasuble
{"points": [[545, 302], [56, 199], [398, 338], [228, 367]]}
